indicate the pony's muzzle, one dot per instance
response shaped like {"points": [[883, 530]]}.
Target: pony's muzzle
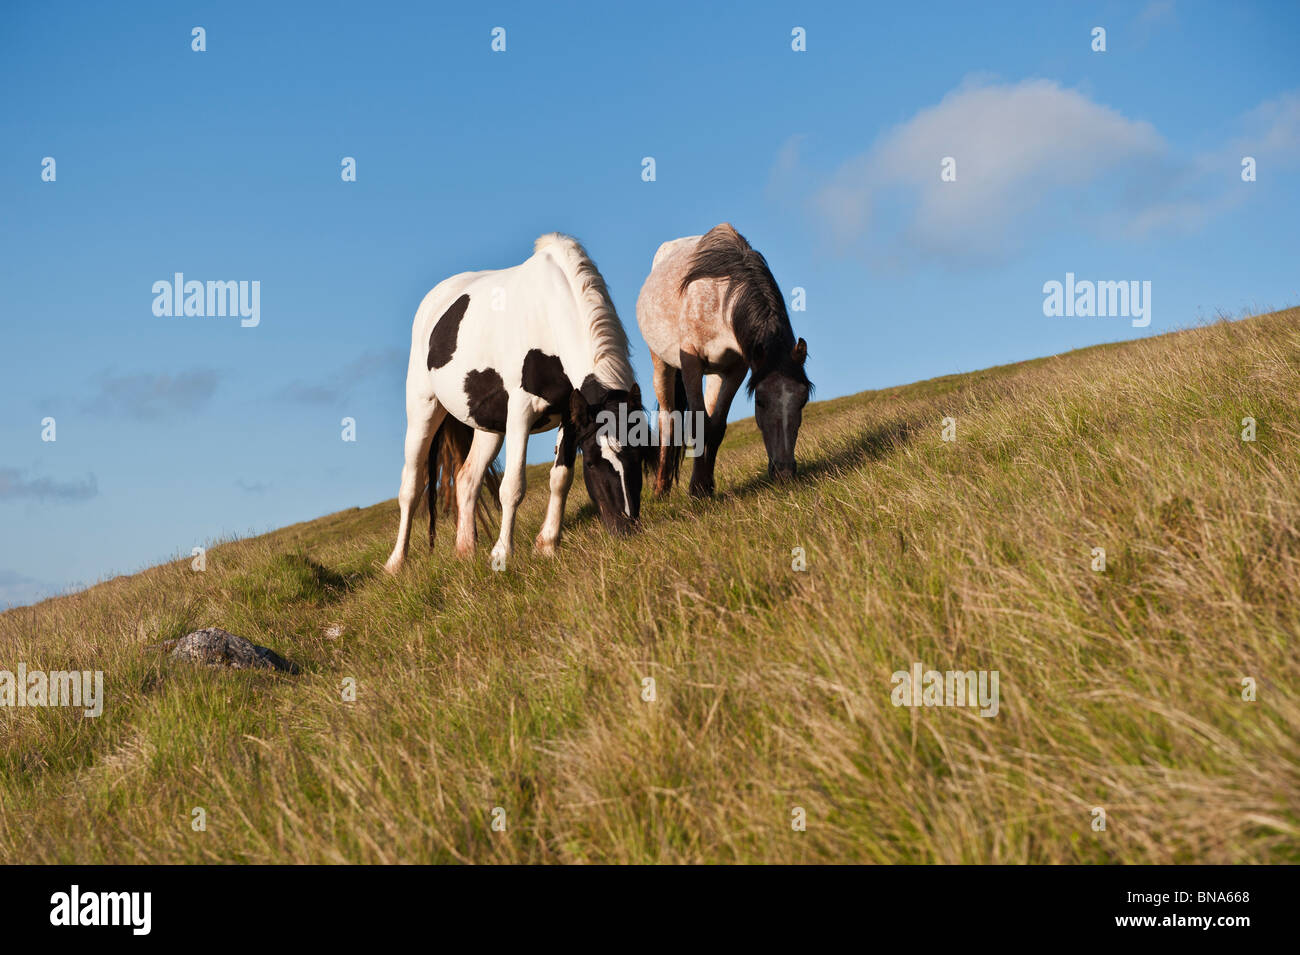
{"points": [[618, 523], [781, 472], [624, 526]]}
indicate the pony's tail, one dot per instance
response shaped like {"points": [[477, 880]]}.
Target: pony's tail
{"points": [[447, 452]]}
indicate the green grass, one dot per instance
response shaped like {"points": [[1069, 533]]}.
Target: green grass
{"points": [[522, 689]]}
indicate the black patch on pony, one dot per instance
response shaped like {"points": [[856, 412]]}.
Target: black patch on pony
{"points": [[593, 390], [442, 340], [543, 375], [566, 451], [759, 318], [488, 401], [603, 398]]}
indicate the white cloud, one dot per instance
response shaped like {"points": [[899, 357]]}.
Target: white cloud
{"points": [[1209, 184], [1013, 146], [1158, 11], [1273, 131], [785, 170], [15, 484], [1032, 158], [147, 396], [387, 364]]}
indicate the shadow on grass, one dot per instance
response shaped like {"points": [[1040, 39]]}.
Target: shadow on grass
{"points": [[870, 445], [330, 582], [295, 578]]}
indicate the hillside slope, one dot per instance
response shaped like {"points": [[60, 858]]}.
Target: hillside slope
{"points": [[1119, 690]]}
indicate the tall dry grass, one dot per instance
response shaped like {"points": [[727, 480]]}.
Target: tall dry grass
{"points": [[522, 690]]}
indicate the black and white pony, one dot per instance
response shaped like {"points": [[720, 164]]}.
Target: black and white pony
{"points": [[504, 354]]}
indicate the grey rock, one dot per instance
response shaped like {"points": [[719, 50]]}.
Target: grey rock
{"points": [[213, 646]]}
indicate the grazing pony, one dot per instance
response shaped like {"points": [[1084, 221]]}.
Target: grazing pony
{"points": [[508, 353], [710, 306]]}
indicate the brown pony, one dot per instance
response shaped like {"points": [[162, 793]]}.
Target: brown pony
{"points": [[710, 306]]}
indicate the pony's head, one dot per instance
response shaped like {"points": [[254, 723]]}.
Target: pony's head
{"points": [[780, 389], [611, 465]]}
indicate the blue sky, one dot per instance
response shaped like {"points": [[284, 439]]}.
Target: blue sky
{"points": [[225, 165]]}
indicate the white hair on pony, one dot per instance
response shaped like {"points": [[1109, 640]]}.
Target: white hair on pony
{"points": [[612, 367]]}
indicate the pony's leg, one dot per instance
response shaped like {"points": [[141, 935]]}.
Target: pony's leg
{"points": [[711, 392], [693, 381], [566, 447], [715, 425], [423, 417], [469, 479], [665, 381], [519, 422]]}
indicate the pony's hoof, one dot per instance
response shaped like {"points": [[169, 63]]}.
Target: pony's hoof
{"points": [[392, 568], [544, 547]]}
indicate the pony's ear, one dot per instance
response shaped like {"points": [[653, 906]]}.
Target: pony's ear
{"points": [[800, 353], [579, 410], [634, 396]]}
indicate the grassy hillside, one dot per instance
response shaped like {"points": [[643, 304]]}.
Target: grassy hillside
{"points": [[522, 690]]}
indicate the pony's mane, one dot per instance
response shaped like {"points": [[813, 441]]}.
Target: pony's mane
{"points": [[612, 367], [758, 316]]}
